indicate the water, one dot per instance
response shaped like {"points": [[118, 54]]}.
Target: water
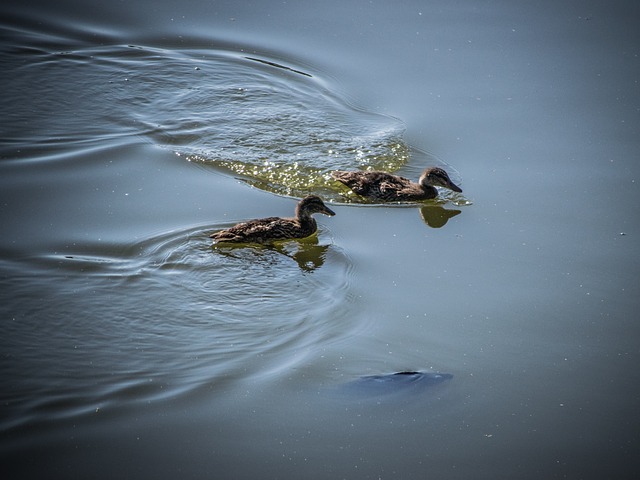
{"points": [[131, 348]]}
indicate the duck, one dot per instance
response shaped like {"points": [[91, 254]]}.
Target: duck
{"points": [[384, 186], [267, 230]]}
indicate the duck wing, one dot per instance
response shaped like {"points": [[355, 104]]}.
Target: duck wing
{"points": [[259, 230], [373, 184], [392, 183]]}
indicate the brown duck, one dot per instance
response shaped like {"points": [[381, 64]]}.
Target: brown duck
{"points": [[265, 230], [392, 188]]}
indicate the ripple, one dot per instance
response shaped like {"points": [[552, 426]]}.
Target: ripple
{"points": [[104, 325], [281, 128], [163, 317]]}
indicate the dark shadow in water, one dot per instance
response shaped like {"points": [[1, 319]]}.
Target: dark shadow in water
{"points": [[277, 65], [306, 253], [399, 386], [436, 216], [394, 382]]}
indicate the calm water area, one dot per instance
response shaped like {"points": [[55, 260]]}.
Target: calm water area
{"points": [[131, 348]]}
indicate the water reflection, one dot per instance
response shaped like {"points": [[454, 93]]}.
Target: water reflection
{"points": [[436, 216], [309, 257], [308, 254]]}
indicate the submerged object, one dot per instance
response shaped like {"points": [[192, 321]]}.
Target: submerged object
{"points": [[265, 230], [393, 188], [375, 385]]}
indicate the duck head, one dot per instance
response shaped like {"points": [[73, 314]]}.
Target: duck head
{"points": [[313, 204], [437, 177]]}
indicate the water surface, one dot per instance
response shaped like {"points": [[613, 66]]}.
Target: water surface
{"points": [[132, 348]]}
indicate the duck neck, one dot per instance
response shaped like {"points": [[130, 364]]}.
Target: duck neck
{"points": [[306, 221], [303, 215], [429, 190]]}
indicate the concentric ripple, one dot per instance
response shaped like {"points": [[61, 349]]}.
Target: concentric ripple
{"points": [[242, 313]]}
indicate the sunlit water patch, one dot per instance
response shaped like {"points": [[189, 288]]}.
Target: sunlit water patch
{"points": [[102, 326], [281, 128]]}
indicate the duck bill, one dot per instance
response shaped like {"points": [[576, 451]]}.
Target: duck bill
{"points": [[454, 187], [327, 211]]}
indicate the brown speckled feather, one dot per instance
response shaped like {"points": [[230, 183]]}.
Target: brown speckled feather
{"points": [[393, 188], [264, 230]]}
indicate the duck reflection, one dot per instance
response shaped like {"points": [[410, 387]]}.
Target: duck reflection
{"points": [[307, 253], [436, 216]]}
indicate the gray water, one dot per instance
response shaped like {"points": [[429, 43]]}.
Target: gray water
{"points": [[132, 349]]}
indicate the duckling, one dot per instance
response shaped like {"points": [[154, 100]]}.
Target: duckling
{"points": [[392, 188], [265, 230]]}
